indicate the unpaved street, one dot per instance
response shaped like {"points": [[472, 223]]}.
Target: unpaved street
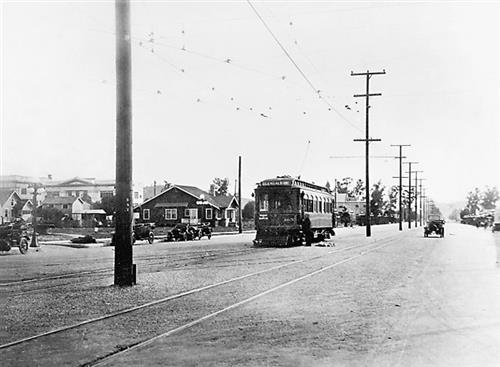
{"points": [[396, 299]]}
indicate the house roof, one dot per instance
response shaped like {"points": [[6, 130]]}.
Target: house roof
{"points": [[216, 201], [6, 194], [60, 200], [21, 203]]}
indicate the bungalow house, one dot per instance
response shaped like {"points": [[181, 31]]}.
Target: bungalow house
{"points": [[9, 201], [188, 204]]}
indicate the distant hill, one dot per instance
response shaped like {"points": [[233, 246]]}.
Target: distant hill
{"points": [[447, 208]]}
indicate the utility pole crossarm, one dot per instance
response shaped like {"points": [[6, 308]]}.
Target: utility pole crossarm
{"points": [[367, 140], [367, 95], [369, 73]]}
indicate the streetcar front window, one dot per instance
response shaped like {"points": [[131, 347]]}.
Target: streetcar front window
{"points": [[264, 203]]}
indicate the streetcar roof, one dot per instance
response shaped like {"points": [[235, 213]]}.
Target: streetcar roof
{"points": [[292, 182]]}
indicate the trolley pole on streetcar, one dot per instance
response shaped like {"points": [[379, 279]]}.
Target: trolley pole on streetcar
{"points": [[240, 229], [125, 274], [409, 192], [400, 181], [367, 140]]}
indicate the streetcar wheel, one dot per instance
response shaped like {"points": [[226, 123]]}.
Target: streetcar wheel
{"points": [[23, 246], [151, 238]]}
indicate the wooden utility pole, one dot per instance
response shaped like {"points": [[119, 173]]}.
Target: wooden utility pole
{"points": [[240, 228], [416, 197], [400, 181], [34, 239], [367, 140], [421, 200], [125, 274], [409, 192]]}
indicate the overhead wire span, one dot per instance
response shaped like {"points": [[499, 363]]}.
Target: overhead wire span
{"points": [[316, 90]]}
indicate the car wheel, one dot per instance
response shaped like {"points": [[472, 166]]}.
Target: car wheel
{"points": [[23, 246]]}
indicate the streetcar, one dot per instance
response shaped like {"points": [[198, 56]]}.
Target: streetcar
{"points": [[281, 206]]}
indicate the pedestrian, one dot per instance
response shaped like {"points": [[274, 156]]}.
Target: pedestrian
{"points": [[306, 229]]}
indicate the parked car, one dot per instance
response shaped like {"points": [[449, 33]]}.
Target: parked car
{"points": [[144, 231], [14, 235], [141, 231], [187, 232]]}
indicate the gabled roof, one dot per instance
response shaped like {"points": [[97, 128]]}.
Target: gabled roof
{"points": [[60, 200], [21, 204], [5, 195], [225, 201]]}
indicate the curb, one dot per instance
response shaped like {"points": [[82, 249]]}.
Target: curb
{"points": [[104, 242]]}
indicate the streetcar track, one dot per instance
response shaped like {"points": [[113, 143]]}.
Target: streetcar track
{"points": [[199, 289], [170, 259], [146, 342]]}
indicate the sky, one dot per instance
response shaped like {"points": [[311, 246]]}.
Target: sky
{"points": [[211, 83]]}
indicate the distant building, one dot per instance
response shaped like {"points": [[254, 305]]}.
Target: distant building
{"points": [[353, 206], [88, 189], [22, 185], [188, 204], [9, 204]]}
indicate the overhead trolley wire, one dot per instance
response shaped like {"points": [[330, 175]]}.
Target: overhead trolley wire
{"points": [[316, 90]]}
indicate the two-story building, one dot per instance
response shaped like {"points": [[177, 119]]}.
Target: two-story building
{"points": [[89, 189], [188, 204]]}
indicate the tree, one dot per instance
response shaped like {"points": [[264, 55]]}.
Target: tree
{"points": [[219, 186], [391, 206], [377, 201], [50, 215], [359, 190], [455, 214], [343, 185], [328, 186], [489, 198], [434, 210], [108, 204], [248, 210], [473, 199]]}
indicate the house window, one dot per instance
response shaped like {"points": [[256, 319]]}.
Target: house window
{"points": [[106, 194], [65, 206], [24, 191], [208, 213], [145, 214], [191, 213], [136, 195], [171, 214]]}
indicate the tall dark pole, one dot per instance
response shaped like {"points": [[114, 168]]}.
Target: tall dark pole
{"points": [[34, 240], [240, 229], [416, 197], [124, 269], [409, 192], [367, 141], [421, 200], [400, 182]]}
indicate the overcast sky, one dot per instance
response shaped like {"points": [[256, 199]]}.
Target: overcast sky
{"points": [[210, 83]]}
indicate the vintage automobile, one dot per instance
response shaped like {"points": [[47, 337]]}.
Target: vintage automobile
{"points": [[435, 226], [187, 232], [143, 231], [14, 235]]}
